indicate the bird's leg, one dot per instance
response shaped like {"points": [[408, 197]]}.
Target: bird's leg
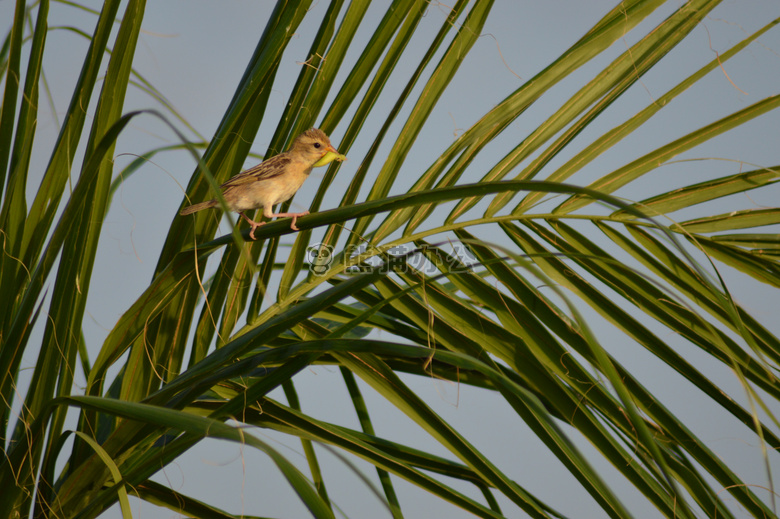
{"points": [[294, 217], [253, 223]]}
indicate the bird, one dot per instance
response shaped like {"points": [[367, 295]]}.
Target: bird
{"points": [[275, 180]]}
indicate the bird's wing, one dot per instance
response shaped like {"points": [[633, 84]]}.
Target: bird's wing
{"points": [[270, 168]]}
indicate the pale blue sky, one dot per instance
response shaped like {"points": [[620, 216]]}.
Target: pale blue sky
{"points": [[184, 39]]}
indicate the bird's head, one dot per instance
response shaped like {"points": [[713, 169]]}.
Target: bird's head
{"points": [[312, 144]]}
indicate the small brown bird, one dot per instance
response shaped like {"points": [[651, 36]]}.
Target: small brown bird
{"points": [[275, 180]]}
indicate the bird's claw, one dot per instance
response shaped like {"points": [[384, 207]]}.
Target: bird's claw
{"points": [[295, 219]]}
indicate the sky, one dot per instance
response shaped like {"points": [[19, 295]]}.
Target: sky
{"points": [[182, 39]]}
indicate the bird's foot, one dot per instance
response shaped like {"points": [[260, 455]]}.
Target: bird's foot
{"points": [[294, 218], [253, 223]]}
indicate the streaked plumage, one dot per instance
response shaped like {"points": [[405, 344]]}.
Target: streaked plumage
{"points": [[272, 181]]}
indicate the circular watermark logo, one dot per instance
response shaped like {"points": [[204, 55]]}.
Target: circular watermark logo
{"points": [[319, 256]]}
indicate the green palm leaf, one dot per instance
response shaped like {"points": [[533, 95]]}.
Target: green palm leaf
{"points": [[421, 273]]}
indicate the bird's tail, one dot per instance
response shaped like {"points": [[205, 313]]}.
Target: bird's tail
{"points": [[198, 207]]}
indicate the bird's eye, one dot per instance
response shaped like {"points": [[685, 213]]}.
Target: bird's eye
{"points": [[317, 145]]}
